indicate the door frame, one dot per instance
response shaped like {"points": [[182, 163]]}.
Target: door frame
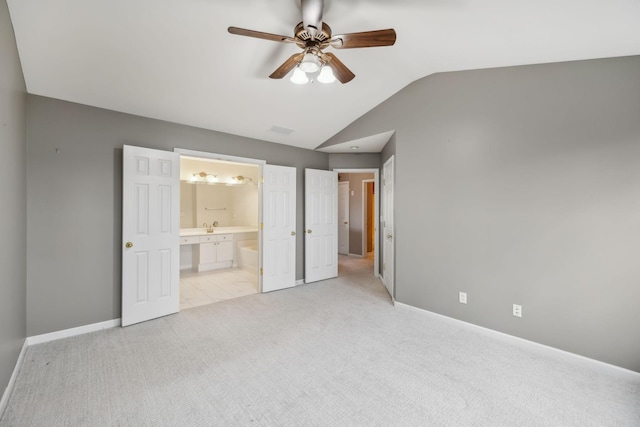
{"points": [[376, 213], [237, 159], [364, 213]]}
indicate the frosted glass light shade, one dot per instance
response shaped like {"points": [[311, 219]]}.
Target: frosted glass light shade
{"points": [[309, 63], [299, 77], [326, 75]]}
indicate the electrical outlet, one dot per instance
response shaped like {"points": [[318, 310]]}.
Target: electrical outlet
{"points": [[462, 297], [517, 310]]}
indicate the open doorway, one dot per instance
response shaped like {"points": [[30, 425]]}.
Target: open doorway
{"points": [[359, 203], [219, 217]]}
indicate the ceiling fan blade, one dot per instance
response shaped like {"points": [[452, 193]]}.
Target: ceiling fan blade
{"points": [[342, 73], [364, 39], [288, 65], [259, 35]]}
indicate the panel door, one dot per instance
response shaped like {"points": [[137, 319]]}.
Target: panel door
{"points": [[279, 232], [343, 217], [150, 234], [388, 254], [321, 223]]}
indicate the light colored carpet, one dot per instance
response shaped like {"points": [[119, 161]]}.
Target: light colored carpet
{"points": [[332, 353]]}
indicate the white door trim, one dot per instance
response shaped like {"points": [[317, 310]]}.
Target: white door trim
{"points": [[237, 159], [376, 213]]}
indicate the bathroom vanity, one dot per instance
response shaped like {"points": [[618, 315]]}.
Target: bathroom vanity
{"points": [[204, 251]]}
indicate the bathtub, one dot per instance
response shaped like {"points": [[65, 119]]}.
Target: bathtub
{"points": [[248, 255]]}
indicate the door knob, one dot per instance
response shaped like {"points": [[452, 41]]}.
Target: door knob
{"points": [[129, 245], [293, 233], [346, 222], [309, 231], [389, 236]]}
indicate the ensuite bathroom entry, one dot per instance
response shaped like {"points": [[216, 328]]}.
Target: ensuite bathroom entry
{"points": [[219, 206]]}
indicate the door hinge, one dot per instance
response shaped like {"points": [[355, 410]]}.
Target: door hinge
{"points": [[262, 226], [261, 272], [262, 180]]}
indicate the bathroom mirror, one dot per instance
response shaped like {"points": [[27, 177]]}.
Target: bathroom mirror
{"points": [[213, 190]]}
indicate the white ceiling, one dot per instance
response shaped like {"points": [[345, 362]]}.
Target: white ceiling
{"points": [[368, 144], [174, 60]]}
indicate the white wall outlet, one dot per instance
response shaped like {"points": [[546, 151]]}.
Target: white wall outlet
{"points": [[517, 310], [462, 297]]}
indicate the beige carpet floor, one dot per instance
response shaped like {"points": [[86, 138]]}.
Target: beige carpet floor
{"points": [[332, 353]]}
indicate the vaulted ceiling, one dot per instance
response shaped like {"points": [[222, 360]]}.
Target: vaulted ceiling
{"points": [[174, 59]]}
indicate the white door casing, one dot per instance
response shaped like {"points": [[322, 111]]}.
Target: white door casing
{"points": [[388, 253], [343, 217], [321, 214], [279, 232], [376, 214], [150, 234]]}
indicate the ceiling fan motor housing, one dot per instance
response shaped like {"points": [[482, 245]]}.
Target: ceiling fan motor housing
{"points": [[304, 38]]}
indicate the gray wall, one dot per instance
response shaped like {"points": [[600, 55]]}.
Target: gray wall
{"points": [[387, 151], [522, 185], [74, 205], [13, 195], [354, 161]]}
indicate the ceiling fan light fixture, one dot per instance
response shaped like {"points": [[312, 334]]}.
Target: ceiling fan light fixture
{"points": [[299, 77], [309, 63], [326, 75]]}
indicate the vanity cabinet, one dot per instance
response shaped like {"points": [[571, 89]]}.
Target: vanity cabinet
{"points": [[215, 251]]}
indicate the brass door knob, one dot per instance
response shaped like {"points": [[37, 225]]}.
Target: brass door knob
{"points": [[129, 245], [309, 231], [293, 233], [346, 222]]}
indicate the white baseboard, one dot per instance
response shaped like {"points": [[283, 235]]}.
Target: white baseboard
{"points": [[7, 391], [521, 342], [299, 282], [66, 333]]}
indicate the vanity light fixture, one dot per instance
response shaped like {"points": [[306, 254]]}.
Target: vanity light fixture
{"points": [[239, 180], [242, 180], [204, 177]]}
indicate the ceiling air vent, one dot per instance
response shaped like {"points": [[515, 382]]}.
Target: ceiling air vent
{"points": [[282, 130]]}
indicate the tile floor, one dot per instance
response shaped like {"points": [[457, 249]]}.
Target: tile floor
{"points": [[214, 286]]}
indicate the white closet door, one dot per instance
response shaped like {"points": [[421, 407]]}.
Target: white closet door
{"points": [[388, 254], [150, 234], [321, 221], [279, 232], [343, 217]]}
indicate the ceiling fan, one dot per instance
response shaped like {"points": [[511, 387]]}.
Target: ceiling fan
{"points": [[313, 36]]}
